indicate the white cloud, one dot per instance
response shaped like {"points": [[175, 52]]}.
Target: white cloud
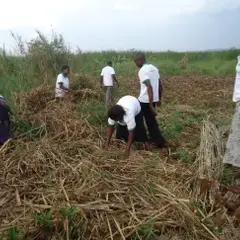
{"points": [[47, 14], [103, 23]]}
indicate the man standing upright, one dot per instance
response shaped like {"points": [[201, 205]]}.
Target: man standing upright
{"points": [[150, 96], [107, 78], [62, 83]]}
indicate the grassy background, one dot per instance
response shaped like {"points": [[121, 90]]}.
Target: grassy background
{"points": [[40, 61]]}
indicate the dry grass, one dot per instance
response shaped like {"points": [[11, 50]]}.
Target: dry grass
{"points": [[114, 197]]}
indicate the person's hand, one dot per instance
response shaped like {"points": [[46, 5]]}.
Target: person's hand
{"points": [[159, 103], [106, 147], [153, 111], [127, 153]]}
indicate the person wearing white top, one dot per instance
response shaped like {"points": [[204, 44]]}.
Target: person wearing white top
{"points": [[130, 125], [232, 154], [108, 76], [62, 83], [150, 96]]}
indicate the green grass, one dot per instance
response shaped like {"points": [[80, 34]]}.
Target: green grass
{"points": [[45, 57], [183, 154], [145, 232], [96, 112]]}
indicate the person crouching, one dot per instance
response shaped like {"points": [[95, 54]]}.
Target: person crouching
{"points": [[4, 121], [127, 115]]}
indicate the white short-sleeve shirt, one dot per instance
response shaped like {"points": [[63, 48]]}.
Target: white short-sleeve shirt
{"points": [[236, 93], [107, 73], [132, 108], [61, 79], [148, 72]]}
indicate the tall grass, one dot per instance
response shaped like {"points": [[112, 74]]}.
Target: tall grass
{"points": [[40, 60]]}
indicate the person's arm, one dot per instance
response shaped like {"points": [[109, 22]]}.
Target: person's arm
{"points": [[110, 131], [114, 76], [129, 143], [101, 79], [131, 126], [63, 88], [160, 90], [150, 95], [60, 80], [115, 79]]}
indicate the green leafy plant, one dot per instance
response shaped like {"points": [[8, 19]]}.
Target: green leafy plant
{"points": [[45, 219]]}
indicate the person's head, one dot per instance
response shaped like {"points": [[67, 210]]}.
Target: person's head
{"points": [[109, 63], [116, 113], [140, 59], [65, 70]]}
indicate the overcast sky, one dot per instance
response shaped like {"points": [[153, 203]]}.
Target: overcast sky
{"points": [[124, 24]]}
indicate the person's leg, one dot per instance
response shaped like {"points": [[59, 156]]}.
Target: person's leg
{"points": [[111, 96], [153, 128], [4, 131], [106, 96], [140, 131]]}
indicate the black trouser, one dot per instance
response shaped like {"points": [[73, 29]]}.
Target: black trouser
{"points": [[140, 134], [153, 128]]}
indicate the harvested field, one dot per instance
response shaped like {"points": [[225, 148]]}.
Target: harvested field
{"points": [[57, 181]]}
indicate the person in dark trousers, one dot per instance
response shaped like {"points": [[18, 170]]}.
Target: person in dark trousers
{"points": [[4, 121], [130, 124], [150, 96]]}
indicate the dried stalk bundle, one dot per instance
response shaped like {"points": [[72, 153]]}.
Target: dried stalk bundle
{"points": [[114, 197], [184, 62]]}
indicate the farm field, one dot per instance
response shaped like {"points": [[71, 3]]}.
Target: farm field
{"points": [[58, 182]]}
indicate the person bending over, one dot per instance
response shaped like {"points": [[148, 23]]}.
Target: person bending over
{"points": [[5, 112], [126, 114]]}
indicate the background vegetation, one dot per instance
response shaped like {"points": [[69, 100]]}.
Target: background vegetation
{"points": [[40, 60]]}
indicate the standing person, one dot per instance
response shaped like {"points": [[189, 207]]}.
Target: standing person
{"points": [[62, 83], [232, 154], [4, 121], [107, 78], [150, 96], [130, 125]]}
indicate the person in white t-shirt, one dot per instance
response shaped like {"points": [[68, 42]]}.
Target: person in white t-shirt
{"points": [[150, 96], [232, 154], [107, 78], [130, 125], [62, 83]]}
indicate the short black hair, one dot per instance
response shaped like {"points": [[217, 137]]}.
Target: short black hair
{"points": [[64, 67], [109, 63], [140, 56], [116, 112]]}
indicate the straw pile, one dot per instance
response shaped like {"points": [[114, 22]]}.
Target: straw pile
{"points": [[114, 198], [184, 62]]}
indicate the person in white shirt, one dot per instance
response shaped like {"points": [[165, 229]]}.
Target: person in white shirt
{"points": [[150, 96], [130, 125], [107, 78], [62, 83], [232, 154]]}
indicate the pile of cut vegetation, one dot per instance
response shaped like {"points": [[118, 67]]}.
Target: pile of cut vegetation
{"points": [[63, 185]]}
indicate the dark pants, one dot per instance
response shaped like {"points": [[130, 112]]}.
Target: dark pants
{"points": [[153, 128], [4, 124], [140, 134]]}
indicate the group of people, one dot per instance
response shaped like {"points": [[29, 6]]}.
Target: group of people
{"points": [[129, 112]]}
